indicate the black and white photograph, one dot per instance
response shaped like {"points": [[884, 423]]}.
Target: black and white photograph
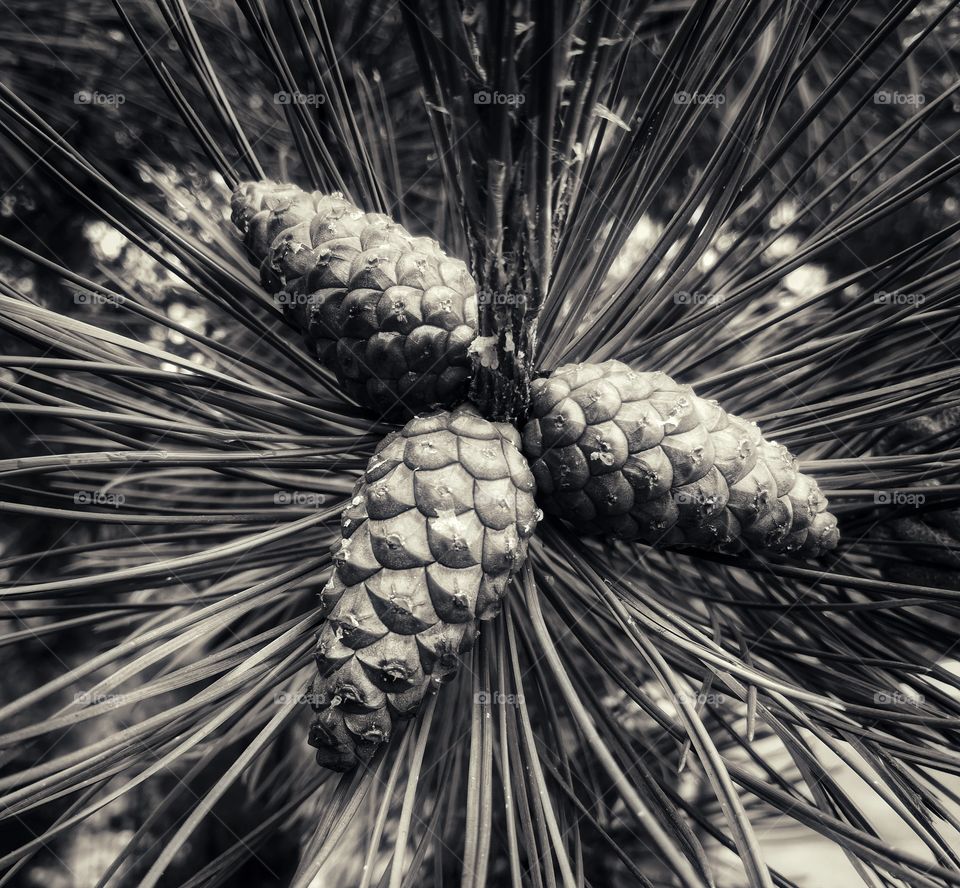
{"points": [[480, 444]]}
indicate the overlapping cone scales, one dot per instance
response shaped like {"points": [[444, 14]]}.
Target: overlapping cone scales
{"points": [[389, 313], [436, 527], [638, 456]]}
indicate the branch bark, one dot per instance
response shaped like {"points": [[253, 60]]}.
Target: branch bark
{"points": [[509, 296]]}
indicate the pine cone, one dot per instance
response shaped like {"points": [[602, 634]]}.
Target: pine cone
{"points": [[637, 456], [389, 313], [437, 525]]}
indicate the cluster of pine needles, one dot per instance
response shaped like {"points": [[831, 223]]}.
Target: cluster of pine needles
{"points": [[634, 717]]}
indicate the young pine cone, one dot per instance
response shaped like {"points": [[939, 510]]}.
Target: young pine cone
{"points": [[438, 524], [389, 313], [637, 456]]}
